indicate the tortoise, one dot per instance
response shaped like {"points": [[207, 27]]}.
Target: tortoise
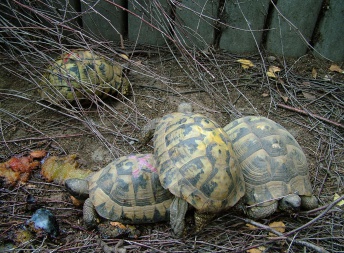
{"points": [[79, 72], [274, 167], [193, 159], [127, 190]]}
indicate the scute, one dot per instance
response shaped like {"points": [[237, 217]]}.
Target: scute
{"points": [[81, 72], [128, 190], [272, 161], [193, 156]]}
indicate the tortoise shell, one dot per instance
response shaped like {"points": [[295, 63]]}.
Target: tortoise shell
{"points": [[193, 156], [75, 74], [272, 162], [128, 190]]}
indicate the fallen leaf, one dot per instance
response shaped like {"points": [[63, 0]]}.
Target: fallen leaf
{"points": [[314, 73], [118, 224], [254, 250], [270, 74], [340, 203], [336, 68], [76, 202], [124, 56], [285, 99], [265, 94], [251, 226], [308, 95], [279, 226], [245, 64], [274, 69]]}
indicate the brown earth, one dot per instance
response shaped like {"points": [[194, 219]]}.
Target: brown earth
{"points": [[100, 133]]}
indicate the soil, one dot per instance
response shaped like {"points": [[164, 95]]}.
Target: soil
{"points": [[100, 132]]}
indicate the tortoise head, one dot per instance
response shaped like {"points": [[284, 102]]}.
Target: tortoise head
{"points": [[290, 203]]}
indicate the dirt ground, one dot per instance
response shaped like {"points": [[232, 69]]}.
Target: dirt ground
{"points": [[99, 133]]}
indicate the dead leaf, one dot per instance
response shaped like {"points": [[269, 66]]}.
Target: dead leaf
{"points": [[265, 94], [308, 95], [254, 250], [245, 64], [124, 56], [314, 73], [76, 202], [274, 69], [279, 226], [336, 68], [117, 224], [340, 203], [270, 74], [251, 226], [285, 99]]}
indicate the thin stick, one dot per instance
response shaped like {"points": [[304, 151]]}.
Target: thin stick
{"points": [[316, 218], [311, 114], [283, 236]]}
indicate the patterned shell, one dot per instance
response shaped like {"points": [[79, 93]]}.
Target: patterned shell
{"points": [[272, 161], [193, 156], [128, 190], [81, 72]]}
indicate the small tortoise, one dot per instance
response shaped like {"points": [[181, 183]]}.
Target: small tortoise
{"points": [[193, 157], [274, 167], [127, 190], [75, 74]]}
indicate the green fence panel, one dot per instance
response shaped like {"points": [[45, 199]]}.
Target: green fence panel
{"points": [[103, 20], [330, 37], [148, 23], [292, 26], [194, 22], [244, 23]]}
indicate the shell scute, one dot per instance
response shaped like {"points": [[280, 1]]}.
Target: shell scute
{"points": [[74, 74], [193, 161], [128, 190], [272, 162]]}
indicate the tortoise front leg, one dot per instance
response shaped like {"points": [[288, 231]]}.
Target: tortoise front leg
{"points": [[89, 214], [177, 216]]}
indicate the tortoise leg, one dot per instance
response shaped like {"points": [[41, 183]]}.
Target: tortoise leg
{"points": [[202, 219], [177, 216], [260, 212], [309, 202], [89, 214]]}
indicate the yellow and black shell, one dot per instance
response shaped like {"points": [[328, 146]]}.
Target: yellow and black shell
{"points": [[272, 162], [128, 190], [79, 73], [193, 156]]}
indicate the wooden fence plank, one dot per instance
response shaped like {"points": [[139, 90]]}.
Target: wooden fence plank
{"points": [[157, 17], [195, 23], [245, 20], [103, 20], [292, 26], [330, 40]]}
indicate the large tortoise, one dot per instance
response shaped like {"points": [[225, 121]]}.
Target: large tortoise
{"points": [[75, 74], [273, 164], [127, 190], [193, 157]]}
